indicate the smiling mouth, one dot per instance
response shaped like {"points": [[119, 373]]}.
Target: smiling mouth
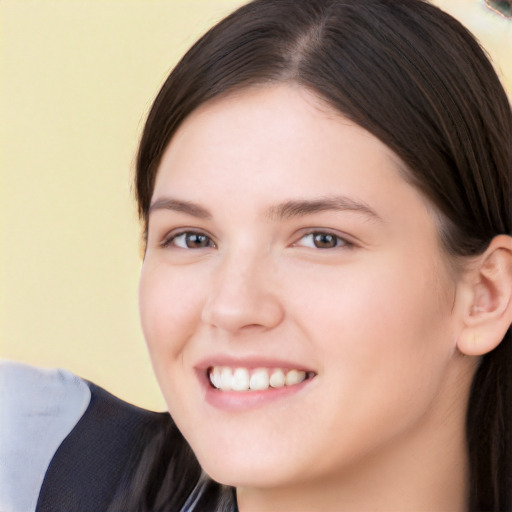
{"points": [[225, 378]]}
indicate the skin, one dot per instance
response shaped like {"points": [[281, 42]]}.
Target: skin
{"points": [[381, 425]]}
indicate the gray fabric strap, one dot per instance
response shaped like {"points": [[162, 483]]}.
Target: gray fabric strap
{"points": [[38, 409]]}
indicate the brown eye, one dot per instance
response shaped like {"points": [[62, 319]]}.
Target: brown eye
{"points": [[322, 240], [191, 240], [325, 240]]}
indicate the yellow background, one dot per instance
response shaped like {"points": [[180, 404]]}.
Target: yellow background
{"points": [[77, 78]]}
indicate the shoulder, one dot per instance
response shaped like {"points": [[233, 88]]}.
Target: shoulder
{"points": [[65, 443], [39, 409]]}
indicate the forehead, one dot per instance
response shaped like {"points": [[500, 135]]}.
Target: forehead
{"points": [[280, 132]]}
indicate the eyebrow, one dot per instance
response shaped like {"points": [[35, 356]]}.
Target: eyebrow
{"points": [[168, 203], [285, 210], [298, 208]]}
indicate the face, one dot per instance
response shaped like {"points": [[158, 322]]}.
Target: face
{"points": [[289, 262]]}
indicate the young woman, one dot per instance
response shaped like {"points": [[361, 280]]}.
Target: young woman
{"points": [[326, 291], [326, 190]]}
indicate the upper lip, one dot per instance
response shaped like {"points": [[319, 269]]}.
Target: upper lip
{"points": [[250, 362]]}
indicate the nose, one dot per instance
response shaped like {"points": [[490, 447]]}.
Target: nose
{"points": [[243, 295]]}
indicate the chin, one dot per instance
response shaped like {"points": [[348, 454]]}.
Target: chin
{"points": [[247, 474], [248, 468]]}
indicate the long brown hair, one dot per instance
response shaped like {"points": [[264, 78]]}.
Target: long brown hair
{"points": [[415, 78]]}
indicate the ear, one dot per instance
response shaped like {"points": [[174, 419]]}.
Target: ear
{"points": [[485, 293]]}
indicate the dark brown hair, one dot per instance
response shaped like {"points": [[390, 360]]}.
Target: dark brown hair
{"points": [[415, 78]]}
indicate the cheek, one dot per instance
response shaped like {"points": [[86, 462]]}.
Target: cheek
{"points": [[386, 319], [169, 303]]}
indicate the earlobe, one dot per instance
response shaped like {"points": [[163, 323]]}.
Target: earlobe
{"points": [[487, 299]]}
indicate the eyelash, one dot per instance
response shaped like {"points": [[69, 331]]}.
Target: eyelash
{"points": [[171, 240], [338, 240]]}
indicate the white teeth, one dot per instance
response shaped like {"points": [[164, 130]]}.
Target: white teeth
{"points": [[215, 377], [240, 380], [277, 379], [225, 379], [294, 377], [260, 379]]}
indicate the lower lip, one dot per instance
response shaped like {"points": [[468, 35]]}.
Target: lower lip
{"points": [[243, 400]]}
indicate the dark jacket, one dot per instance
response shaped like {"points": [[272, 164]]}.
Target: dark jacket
{"points": [[67, 445]]}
